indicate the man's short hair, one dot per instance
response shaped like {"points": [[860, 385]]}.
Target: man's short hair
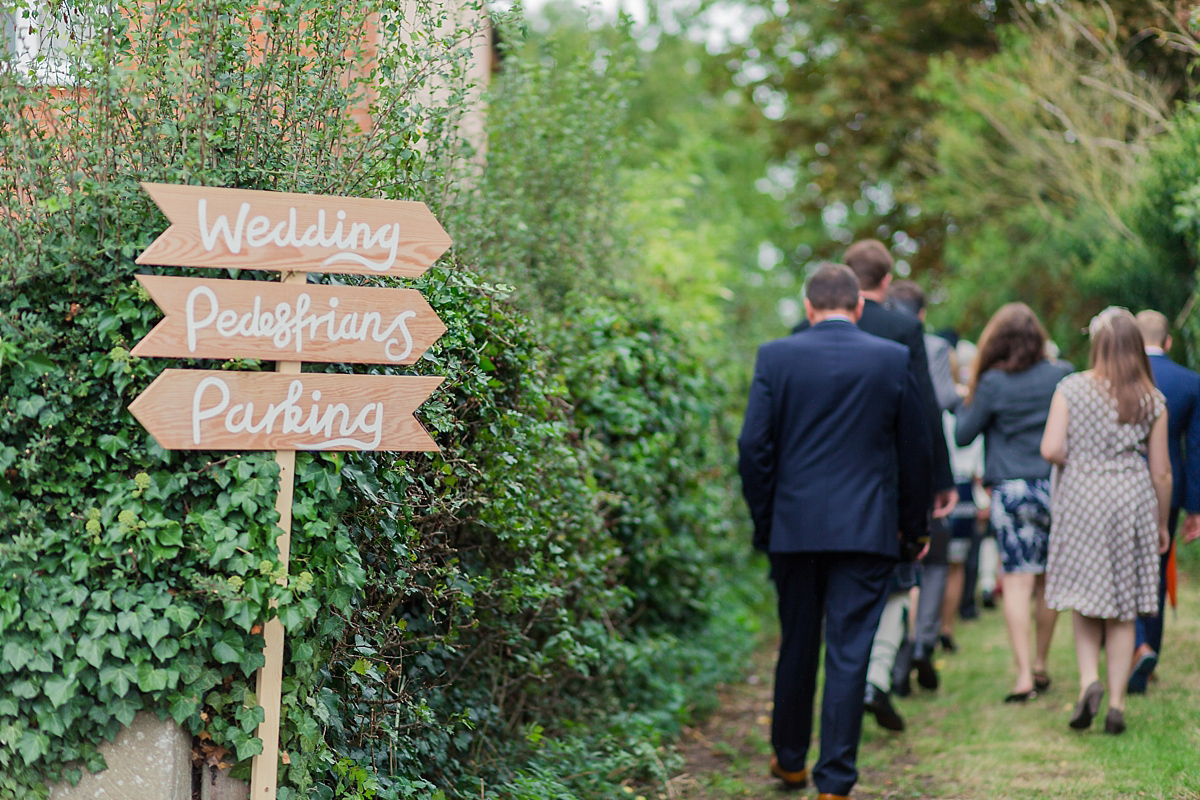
{"points": [[832, 287], [906, 296], [1154, 327], [871, 262]]}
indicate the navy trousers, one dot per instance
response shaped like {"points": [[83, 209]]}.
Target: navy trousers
{"points": [[847, 592], [1150, 629]]}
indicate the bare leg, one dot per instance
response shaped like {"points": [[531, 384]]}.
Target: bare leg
{"points": [[1045, 617], [1018, 600], [1120, 639], [1089, 633], [953, 597]]}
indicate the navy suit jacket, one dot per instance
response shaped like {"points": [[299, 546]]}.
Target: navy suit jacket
{"points": [[908, 331], [834, 452], [1181, 387]]}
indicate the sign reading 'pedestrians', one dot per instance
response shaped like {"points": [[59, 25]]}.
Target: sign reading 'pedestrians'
{"points": [[243, 228], [213, 318]]}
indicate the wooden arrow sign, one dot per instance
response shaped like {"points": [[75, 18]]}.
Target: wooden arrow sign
{"points": [[193, 409], [250, 229], [212, 318]]}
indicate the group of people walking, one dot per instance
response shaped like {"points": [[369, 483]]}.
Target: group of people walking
{"points": [[859, 458]]}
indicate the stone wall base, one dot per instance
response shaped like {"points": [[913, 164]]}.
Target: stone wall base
{"points": [[149, 760]]}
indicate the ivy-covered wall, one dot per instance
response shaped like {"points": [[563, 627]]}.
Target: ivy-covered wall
{"points": [[521, 615]]}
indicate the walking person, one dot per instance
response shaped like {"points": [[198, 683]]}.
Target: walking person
{"points": [[907, 297], [834, 457], [872, 264], [1108, 429], [1007, 402], [1181, 388]]}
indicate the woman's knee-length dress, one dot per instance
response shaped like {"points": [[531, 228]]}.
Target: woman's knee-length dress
{"points": [[1103, 559]]}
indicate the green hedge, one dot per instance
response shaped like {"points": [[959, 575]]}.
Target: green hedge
{"points": [[537, 597]]}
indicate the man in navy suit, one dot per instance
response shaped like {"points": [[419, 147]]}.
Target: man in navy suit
{"points": [[834, 457], [1181, 387]]}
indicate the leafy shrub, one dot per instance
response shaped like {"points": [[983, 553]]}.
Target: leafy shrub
{"points": [[446, 614]]}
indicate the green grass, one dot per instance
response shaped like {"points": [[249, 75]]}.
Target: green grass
{"points": [[964, 742]]}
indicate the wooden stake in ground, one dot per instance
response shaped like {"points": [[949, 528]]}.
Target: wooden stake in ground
{"points": [[264, 770]]}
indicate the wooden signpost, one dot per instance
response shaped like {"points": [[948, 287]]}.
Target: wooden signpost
{"points": [[290, 322]]}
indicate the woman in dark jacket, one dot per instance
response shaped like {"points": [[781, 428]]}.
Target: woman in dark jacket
{"points": [[1008, 402]]}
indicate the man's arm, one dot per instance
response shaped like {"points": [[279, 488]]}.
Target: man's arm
{"points": [[757, 455], [914, 458]]}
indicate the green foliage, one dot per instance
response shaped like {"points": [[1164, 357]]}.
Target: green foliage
{"points": [[1048, 164], [450, 617]]}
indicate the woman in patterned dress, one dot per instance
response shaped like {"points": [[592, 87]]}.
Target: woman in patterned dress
{"points": [[1108, 430], [1007, 402]]}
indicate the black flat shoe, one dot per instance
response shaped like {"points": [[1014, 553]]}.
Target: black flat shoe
{"points": [[1114, 721], [1020, 697], [1041, 681], [948, 643], [876, 702], [1087, 706], [927, 677]]}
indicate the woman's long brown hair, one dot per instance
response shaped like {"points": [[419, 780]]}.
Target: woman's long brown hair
{"points": [[1119, 357], [1013, 341]]}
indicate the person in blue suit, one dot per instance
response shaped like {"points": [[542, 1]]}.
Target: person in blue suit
{"points": [[835, 461], [1181, 387]]}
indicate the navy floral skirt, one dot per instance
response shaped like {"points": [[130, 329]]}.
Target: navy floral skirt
{"points": [[1021, 519]]}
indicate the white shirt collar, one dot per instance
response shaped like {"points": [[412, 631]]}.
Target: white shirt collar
{"points": [[1151, 350]]}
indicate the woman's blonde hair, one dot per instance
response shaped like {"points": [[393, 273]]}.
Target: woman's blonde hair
{"points": [[1119, 357], [1013, 341]]}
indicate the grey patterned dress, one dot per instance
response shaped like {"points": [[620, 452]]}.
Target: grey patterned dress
{"points": [[1103, 559]]}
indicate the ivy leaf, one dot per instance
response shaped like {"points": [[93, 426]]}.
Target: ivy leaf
{"points": [[227, 649], [31, 406], [150, 679], [60, 690], [90, 651], [182, 615], [25, 689], [156, 629], [246, 746], [17, 654], [181, 706], [252, 660], [64, 616], [170, 534], [118, 677], [33, 745], [125, 708], [128, 622]]}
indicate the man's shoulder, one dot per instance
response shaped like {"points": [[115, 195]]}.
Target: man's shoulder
{"points": [[1164, 365], [890, 324]]}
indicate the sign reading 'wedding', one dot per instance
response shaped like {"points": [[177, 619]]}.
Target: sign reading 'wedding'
{"points": [[243, 228], [212, 318]]}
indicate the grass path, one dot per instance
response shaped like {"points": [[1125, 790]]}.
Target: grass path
{"points": [[963, 742]]}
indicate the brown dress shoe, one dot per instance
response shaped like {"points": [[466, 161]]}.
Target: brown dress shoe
{"points": [[828, 796], [791, 780]]}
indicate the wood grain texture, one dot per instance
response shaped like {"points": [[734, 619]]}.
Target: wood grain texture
{"points": [[217, 410], [252, 229], [214, 318]]}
